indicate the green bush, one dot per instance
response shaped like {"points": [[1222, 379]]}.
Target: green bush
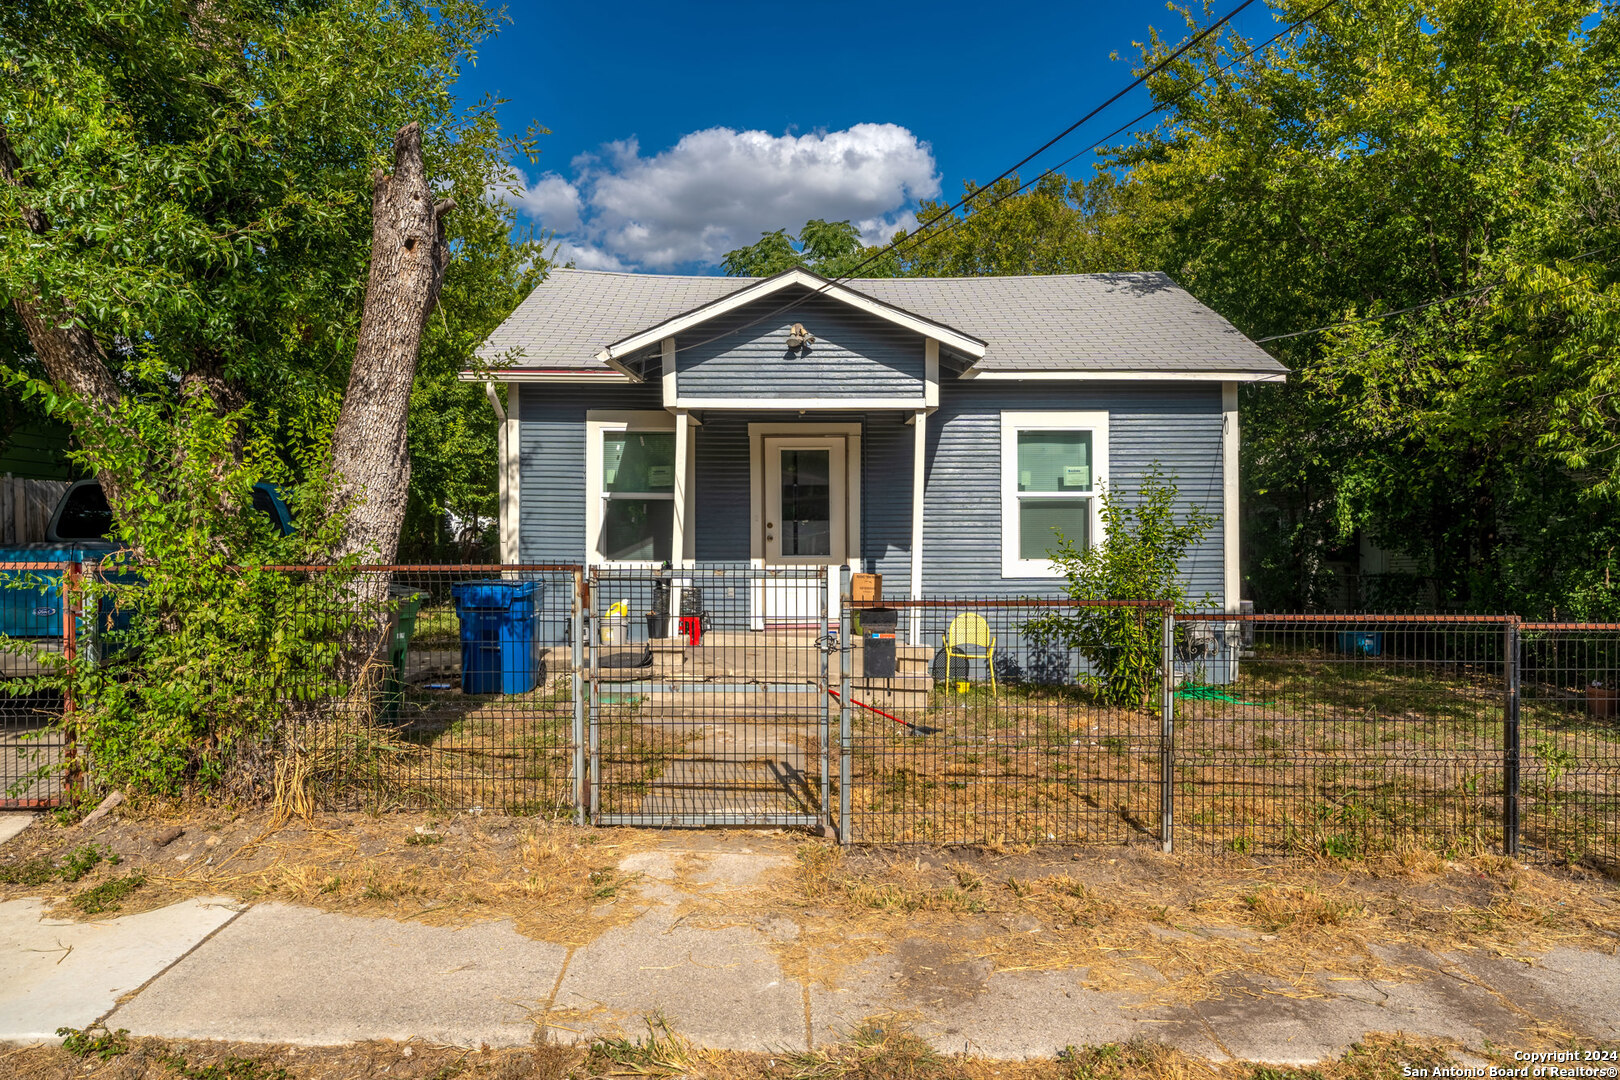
{"points": [[198, 657], [1139, 558]]}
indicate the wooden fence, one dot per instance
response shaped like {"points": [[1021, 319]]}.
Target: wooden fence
{"points": [[25, 508]]}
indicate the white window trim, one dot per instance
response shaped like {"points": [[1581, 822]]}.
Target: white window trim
{"points": [[598, 422], [1011, 424]]}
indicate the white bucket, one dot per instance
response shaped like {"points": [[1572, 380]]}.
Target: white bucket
{"points": [[613, 629]]}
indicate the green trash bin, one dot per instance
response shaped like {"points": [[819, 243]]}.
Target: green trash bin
{"points": [[404, 604]]}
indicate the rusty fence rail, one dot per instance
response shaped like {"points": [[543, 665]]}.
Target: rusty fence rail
{"points": [[741, 695]]}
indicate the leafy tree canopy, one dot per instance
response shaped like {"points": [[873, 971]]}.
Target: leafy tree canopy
{"points": [[1385, 154], [192, 182]]}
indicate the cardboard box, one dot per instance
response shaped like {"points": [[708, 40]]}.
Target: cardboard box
{"points": [[865, 588]]}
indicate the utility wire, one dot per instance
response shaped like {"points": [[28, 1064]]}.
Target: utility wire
{"points": [[921, 235], [1054, 140]]}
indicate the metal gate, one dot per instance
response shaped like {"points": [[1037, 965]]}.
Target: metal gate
{"points": [[707, 700]]}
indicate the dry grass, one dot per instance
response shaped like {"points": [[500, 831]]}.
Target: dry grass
{"points": [[1310, 756], [556, 882], [1174, 929], [881, 1049]]}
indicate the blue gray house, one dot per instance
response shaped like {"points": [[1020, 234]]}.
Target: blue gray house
{"points": [[936, 431]]}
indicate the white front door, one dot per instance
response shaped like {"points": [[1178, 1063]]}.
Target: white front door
{"points": [[806, 503]]}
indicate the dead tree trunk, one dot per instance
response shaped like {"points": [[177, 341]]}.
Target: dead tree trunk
{"points": [[408, 260]]}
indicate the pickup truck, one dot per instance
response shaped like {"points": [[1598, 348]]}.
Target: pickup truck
{"points": [[78, 532]]}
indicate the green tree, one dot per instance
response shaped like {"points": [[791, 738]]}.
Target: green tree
{"points": [[1387, 154], [829, 248], [187, 198]]}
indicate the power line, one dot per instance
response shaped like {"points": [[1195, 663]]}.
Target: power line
{"points": [[881, 252], [921, 235]]}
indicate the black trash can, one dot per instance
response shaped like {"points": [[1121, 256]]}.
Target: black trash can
{"points": [[877, 628]]}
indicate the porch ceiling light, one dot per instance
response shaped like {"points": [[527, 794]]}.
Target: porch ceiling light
{"points": [[798, 337]]}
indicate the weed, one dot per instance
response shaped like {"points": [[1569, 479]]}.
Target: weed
{"points": [[879, 1049], [231, 1068], [605, 883], [424, 838], [109, 895], [81, 860], [1019, 889], [94, 1041], [661, 1053], [35, 871], [966, 879]]}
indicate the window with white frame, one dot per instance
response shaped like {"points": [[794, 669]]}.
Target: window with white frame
{"points": [[1052, 466], [630, 480]]}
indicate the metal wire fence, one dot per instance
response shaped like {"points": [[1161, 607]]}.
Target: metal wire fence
{"points": [[970, 725], [34, 628], [747, 695]]}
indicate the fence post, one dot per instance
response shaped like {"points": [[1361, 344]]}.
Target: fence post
{"points": [[828, 584], [1510, 738], [593, 796], [70, 656], [843, 706], [576, 638], [1167, 729]]}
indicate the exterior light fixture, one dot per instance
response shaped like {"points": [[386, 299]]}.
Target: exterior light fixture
{"points": [[798, 337]]}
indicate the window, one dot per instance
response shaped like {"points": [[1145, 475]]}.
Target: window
{"points": [[630, 470], [1051, 467]]}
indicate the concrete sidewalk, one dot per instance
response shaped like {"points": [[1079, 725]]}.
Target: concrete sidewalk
{"points": [[277, 973]]}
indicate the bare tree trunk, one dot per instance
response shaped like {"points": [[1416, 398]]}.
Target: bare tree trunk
{"points": [[408, 261]]}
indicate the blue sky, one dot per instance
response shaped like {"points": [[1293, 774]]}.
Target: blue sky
{"points": [[682, 131]]}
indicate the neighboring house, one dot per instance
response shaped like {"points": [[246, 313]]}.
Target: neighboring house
{"points": [[936, 431]]}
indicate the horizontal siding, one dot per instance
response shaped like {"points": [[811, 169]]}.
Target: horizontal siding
{"points": [[551, 465], [886, 487], [1177, 425], [855, 355]]}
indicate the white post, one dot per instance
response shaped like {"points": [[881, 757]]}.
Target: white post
{"points": [[1229, 490], [683, 437], [918, 479]]}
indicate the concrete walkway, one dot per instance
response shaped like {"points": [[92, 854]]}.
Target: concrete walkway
{"points": [[283, 974]]}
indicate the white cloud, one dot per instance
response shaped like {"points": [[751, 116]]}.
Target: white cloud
{"points": [[719, 189]]}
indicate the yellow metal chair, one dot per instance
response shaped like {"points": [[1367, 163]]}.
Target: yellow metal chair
{"points": [[969, 638]]}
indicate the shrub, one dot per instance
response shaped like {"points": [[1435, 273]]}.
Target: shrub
{"points": [[196, 656], [1139, 558]]}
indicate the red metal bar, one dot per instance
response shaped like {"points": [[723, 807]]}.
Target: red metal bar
{"points": [[1608, 627], [33, 566], [424, 568], [1345, 619], [1019, 603]]}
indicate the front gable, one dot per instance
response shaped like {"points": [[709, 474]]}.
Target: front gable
{"points": [[735, 352], [744, 354]]}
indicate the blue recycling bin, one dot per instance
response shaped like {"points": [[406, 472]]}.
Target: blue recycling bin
{"points": [[500, 649], [1367, 643]]}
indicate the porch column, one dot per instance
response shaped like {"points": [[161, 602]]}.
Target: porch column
{"points": [[918, 473], [683, 451]]}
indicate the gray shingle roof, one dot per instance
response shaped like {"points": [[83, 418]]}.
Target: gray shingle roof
{"points": [[1060, 322]]}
